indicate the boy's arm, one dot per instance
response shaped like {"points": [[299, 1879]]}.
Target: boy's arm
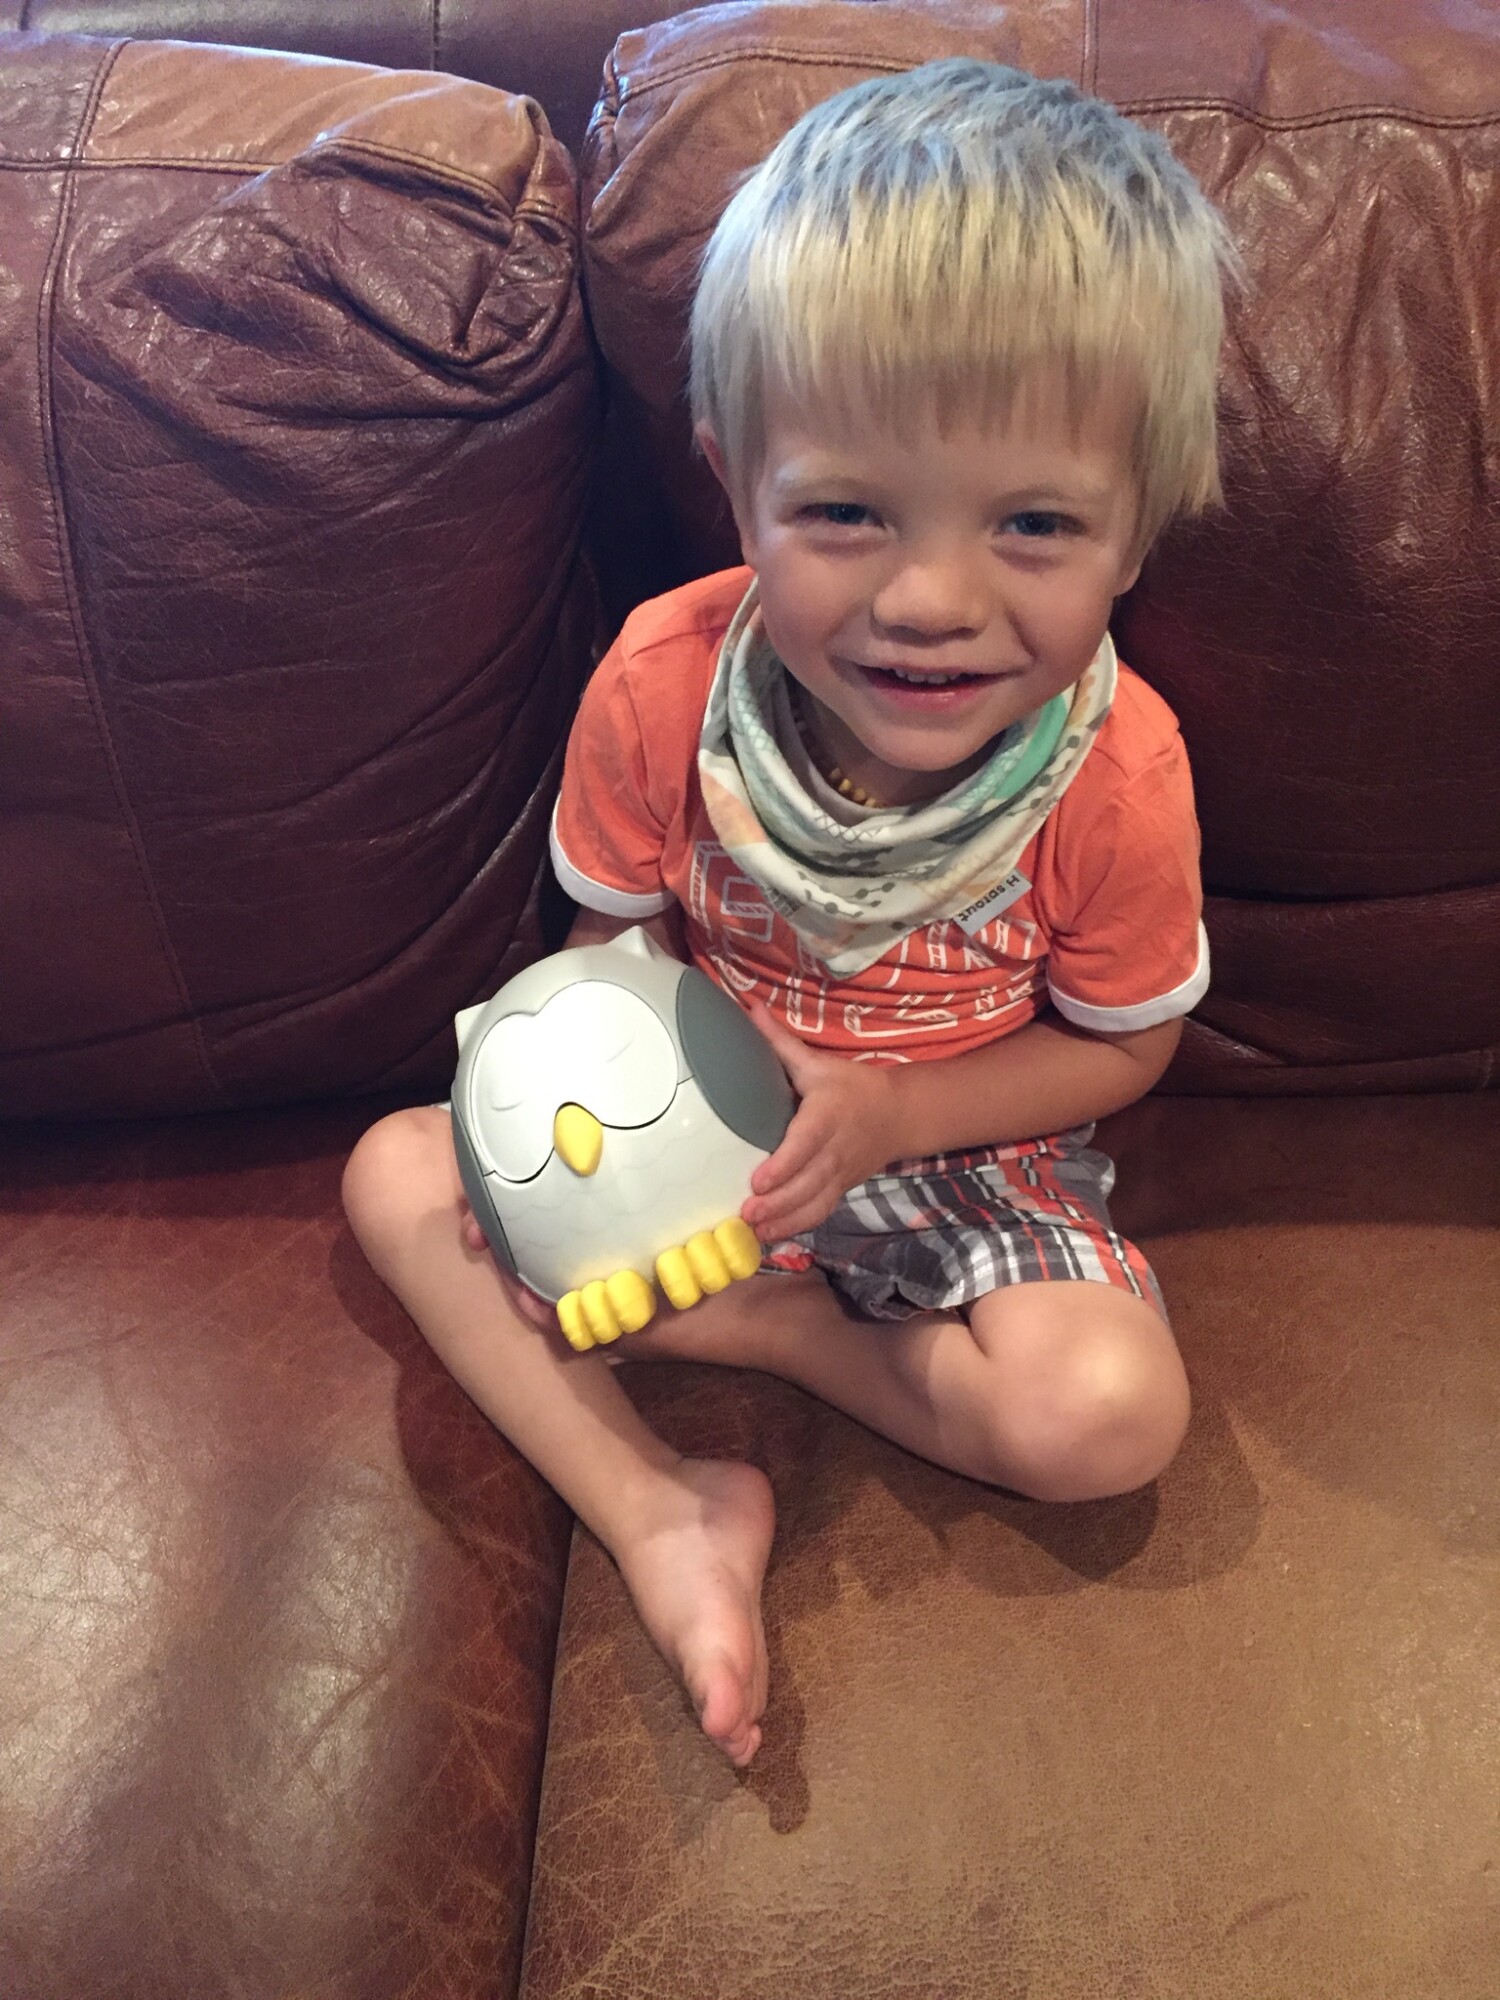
{"points": [[855, 1118], [593, 927], [1046, 1077]]}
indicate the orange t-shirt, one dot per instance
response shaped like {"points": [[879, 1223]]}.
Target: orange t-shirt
{"points": [[1107, 923]]}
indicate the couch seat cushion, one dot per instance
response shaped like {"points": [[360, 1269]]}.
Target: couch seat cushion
{"points": [[1230, 1738], [277, 1608]]}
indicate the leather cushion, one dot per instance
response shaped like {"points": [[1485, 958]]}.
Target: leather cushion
{"points": [[296, 419], [554, 55], [1326, 639], [1234, 1735], [279, 1608]]}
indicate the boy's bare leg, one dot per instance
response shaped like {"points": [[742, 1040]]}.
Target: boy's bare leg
{"points": [[691, 1536], [1064, 1390]]}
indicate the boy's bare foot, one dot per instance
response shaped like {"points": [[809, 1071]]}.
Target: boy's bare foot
{"points": [[695, 1573]]}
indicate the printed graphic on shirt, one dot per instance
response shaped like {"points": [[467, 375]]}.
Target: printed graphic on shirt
{"points": [[1102, 914], [935, 984]]}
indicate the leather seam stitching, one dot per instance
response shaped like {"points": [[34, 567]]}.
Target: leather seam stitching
{"points": [[828, 59], [67, 166], [454, 176], [62, 538], [451, 176], [1311, 121]]}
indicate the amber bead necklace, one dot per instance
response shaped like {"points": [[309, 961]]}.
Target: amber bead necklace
{"points": [[830, 773]]}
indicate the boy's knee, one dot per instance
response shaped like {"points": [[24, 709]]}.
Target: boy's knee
{"points": [[394, 1171], [1110, 1414]]}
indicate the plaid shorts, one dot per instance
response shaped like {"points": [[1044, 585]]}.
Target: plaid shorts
{"points": [[938, 1233]]}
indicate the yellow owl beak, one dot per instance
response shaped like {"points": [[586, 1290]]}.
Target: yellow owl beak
{"points": [[579, 1137]]}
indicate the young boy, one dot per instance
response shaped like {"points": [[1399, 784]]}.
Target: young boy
{"points": [[954, 350]]}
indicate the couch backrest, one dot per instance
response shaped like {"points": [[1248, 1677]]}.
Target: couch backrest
{"points": [[296, 415], [552, 53], [1328, 641]]}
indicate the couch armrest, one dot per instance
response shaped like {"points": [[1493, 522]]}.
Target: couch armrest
{"points": [[293, 616]]}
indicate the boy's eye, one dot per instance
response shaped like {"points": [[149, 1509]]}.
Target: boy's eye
{"points": [[840, 513], [1034, 525]]}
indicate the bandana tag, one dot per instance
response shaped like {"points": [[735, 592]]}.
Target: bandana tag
{"points": [[973, 920]]}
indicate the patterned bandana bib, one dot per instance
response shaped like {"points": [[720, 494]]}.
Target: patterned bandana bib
{"points": [[851, 892]]}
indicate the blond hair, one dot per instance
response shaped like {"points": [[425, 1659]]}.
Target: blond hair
{"points": [[922, 245]]}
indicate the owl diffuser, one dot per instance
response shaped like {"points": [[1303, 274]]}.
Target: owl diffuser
{"points": [[609, 1109]]}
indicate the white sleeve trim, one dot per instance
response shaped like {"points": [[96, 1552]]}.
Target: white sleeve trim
{"points": [[598, 895], [1149, 1014]]}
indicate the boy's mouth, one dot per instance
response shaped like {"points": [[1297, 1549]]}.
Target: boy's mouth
{"points": [[923, 679], [913, 684]]}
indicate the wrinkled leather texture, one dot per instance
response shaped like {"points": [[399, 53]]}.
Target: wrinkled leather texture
{"points": [[1328, 639], [279, 1611], [1228, 1738], [297, 415], [276, 1658], [306, 1691]]}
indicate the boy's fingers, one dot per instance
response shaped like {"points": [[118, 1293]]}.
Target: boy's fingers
{"points": [[796, 1222], [529, 1304], [802, 1204], [793, 1055], [803, 1142], [767, 1022]]}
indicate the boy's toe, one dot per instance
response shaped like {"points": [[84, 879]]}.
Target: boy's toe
{"points": [[722, 1698]]}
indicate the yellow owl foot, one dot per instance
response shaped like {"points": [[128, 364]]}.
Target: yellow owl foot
{"points": [[601, 1311], [708, 1262]]}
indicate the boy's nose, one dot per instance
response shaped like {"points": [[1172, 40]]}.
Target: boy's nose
{"points": [[936, 598]]}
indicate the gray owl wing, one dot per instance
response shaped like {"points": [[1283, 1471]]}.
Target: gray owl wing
{"points": [[741, 1080], [477, 1189]]}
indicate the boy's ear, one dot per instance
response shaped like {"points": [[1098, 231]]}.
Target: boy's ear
{"points": [[708, 444], [1135, 562]]}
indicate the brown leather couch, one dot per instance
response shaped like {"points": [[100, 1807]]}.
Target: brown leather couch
{"points": [[320, 486]]}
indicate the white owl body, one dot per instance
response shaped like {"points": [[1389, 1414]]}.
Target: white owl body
{"points": [[610, 1104], [683, 1172]]}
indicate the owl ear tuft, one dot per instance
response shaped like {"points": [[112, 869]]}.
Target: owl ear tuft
{"points": [[636, 942], [463, 1024]]}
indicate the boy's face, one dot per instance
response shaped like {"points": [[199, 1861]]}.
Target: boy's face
{"points": [[888, 567]]}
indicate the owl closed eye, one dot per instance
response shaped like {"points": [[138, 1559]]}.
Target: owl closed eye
{"points": [[593, 1044]]}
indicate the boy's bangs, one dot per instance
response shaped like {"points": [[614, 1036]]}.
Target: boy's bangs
{"points": [[936, 246], [909, 333], [931, 310]]}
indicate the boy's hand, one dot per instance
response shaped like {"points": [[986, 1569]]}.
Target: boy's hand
{"points": [[527, 1302], [474, 1236], [843, 1131]]}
